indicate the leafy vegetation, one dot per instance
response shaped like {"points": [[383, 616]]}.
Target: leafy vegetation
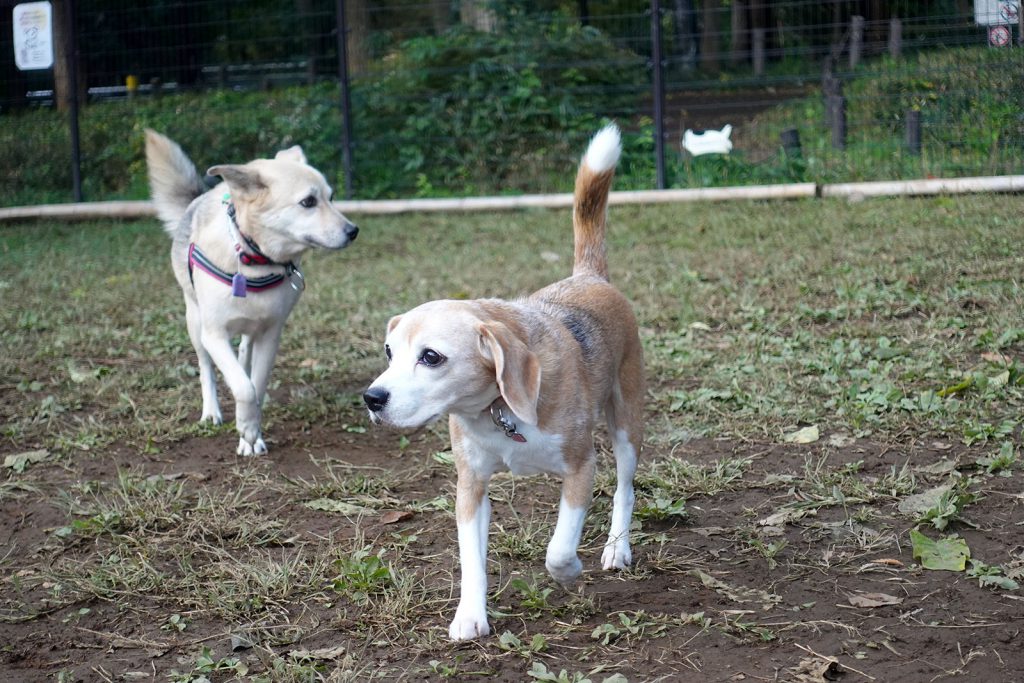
{"points": [[468, 113]]}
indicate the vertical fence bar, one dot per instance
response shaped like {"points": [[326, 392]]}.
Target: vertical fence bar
{"points": [[76, 146], [659, 94], [346, 98]]}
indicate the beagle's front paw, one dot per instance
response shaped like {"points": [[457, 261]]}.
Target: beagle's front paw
{"points": [[468, 625], [248, 448], [616, 555], [564, 570]]}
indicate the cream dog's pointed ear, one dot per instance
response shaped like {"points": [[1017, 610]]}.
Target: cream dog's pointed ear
{"points": [[393, 323], [516, 369], [292, 154], [243, 180]]}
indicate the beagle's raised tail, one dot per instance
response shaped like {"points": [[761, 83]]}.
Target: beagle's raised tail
{"points": [[590, 203]]}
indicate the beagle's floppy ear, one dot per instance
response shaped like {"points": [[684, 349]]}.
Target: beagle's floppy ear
{"points": [[516, 368], [243, 180], [292, 154]]}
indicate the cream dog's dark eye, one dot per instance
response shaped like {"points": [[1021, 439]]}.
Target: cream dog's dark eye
{"points": [[431, 358], [387, 352], [308, 202]]}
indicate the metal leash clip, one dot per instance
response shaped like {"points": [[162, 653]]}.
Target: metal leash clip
{"points": [[298, 285]]}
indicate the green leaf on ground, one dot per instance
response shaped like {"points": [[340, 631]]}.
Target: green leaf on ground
{"points": [[949, 553], [19, 461]]}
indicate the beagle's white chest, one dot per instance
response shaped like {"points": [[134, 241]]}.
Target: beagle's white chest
{"points": [[489, 449]]}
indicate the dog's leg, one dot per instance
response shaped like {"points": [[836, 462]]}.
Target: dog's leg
{"points": [[562, 561], [247, 408], [261, 352], [207, 380], [245, 353], [473, 516], [625, 424]]}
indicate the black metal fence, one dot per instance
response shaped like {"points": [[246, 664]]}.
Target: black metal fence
{"points": [[440, 98]]}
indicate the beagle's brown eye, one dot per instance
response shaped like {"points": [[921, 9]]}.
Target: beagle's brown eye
{"points": [[431, 358], [308, 202], [387, 352]]}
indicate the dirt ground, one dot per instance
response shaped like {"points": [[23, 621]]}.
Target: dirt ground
{"points": [[779, 618]]}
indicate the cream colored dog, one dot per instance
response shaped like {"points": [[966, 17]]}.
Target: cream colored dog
{"points": [[523, 383], [236, 253]]}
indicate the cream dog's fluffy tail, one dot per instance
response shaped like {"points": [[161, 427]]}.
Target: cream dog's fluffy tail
{"points": [[173, 181], [590, 204]]}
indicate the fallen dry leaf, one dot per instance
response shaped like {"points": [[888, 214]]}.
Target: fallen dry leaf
{"points": [[889, 561], [805, 435], [393, 516], [874, 600]]}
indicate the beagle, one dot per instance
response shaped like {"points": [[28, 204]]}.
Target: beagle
{"points": [[523, 383]]}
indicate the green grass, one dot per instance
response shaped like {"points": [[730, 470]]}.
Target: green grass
{"points": [[886, 316], [893, 326]]}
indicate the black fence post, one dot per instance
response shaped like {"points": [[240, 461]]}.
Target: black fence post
{"points": [[346, 99], [76, 146], [914, 131], [659, 94]]}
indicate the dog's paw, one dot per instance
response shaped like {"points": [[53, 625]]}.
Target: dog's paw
{"points": [[467, 626], [246, 449], [564, 570], [212, 416], [616, 556]]}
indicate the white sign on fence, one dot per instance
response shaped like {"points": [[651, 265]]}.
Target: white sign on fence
{"points": [[33, 35], [996, 12]]}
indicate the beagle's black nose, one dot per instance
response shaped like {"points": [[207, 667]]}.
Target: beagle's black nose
{"points": [[351, 230], [376, 398]]}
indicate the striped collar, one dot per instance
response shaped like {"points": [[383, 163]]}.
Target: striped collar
{"points": [[240, 284]]}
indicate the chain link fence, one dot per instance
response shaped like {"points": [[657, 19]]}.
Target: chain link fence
{"points": [[401, 98]]}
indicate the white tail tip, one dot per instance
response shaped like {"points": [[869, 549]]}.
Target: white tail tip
{"points": [[604, 150]]}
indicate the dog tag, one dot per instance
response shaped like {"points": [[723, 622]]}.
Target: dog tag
{"points": [[516, 436], [238, 284]]}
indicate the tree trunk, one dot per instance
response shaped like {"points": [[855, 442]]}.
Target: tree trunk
{"points": [[740, 33], [62, 86], [357, 15], [478, 14], [710, 40], [441, 15], [684, 28]]}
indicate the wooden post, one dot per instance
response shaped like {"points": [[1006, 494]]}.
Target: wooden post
{"points": [[856, 39], [895, 38], [914, 131], [835, 108], [759, 40]]}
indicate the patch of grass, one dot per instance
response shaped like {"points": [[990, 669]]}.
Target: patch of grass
{"points": [[892, 327]]}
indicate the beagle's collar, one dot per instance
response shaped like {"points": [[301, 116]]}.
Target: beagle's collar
{"points": [[505, 423]]}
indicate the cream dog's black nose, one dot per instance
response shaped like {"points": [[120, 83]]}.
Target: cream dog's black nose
{"points": [[351, 230], [376, 398]]}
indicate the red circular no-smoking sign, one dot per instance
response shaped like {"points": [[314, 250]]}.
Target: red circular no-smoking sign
{"points": [[999, 36]]}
